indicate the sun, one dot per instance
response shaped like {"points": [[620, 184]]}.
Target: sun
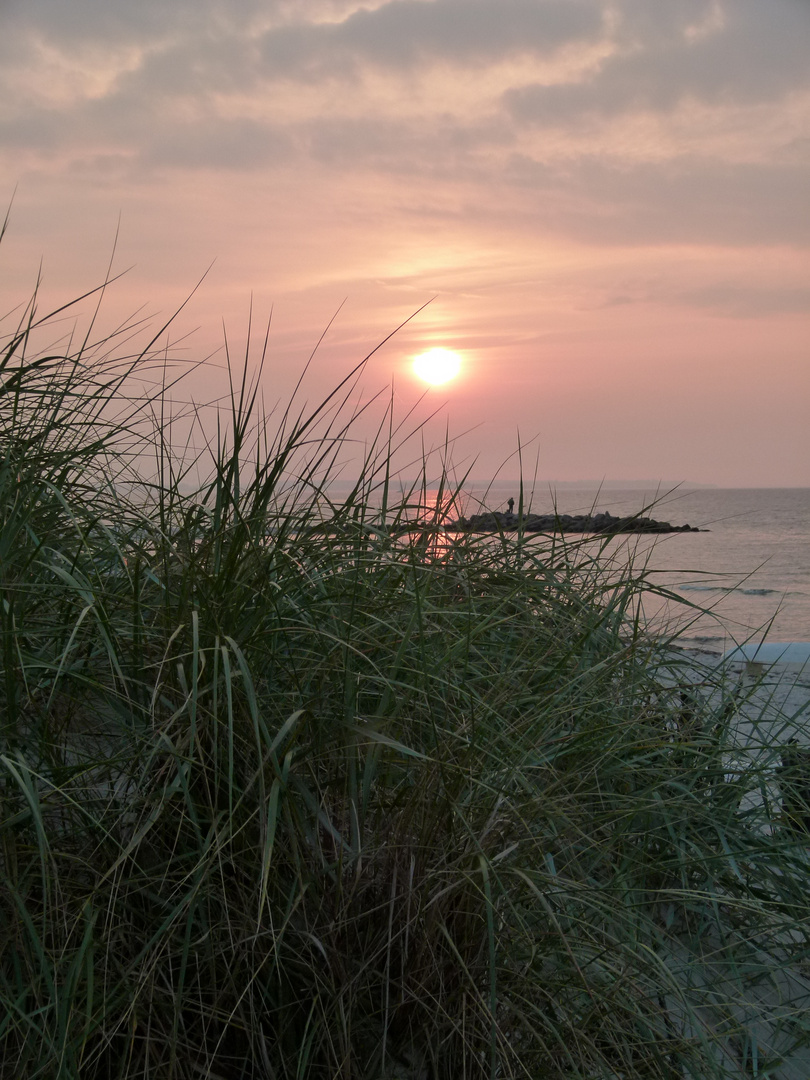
{"points": [[437, 366]]}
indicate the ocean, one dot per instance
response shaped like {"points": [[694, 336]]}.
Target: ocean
{"points": [[751, 569]]}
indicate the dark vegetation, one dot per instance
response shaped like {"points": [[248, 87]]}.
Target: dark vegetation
{"points": [[287, 794]]}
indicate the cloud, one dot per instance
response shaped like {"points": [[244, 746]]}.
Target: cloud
{"points": [[153, 73], [92, 22], [747, 302], [297, 39], [230, 145], [681, 200], [756, 53], [362, 91], [404, 34]]}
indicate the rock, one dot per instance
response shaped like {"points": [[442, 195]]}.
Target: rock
{"points": [[496, 521]]}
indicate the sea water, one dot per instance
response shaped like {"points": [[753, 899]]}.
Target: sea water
{"points": [[750, 571]]}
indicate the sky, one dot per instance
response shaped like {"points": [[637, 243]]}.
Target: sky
{"points": [[604, 205]]}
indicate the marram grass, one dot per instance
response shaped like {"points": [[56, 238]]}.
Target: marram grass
{"points": [[290, 792]]}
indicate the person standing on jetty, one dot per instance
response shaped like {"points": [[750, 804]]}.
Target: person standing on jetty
{"points": [[511, 505]]}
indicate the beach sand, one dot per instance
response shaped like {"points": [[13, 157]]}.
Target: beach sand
{"points": [[768, 708], [771, 703]]}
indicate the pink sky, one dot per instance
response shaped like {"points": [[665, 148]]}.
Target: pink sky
{"points": [[608, 202]]}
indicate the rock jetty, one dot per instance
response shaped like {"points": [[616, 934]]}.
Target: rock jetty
{"points": [[496, 521]]}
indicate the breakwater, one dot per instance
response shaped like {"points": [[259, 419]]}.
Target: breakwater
{"points": [[498, 521]]}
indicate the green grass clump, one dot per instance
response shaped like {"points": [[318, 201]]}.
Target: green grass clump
{"points": [[291, 790]]}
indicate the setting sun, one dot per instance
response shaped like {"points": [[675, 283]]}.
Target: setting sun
{"points": [[437, 366]]}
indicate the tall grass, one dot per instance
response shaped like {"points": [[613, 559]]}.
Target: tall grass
{"points": [[291, 788]]}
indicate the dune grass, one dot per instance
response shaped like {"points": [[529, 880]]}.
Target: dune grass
{"points": [[291, 791]]}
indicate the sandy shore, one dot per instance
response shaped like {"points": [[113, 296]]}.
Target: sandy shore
{"points": [[769, 704], [767, 707]]}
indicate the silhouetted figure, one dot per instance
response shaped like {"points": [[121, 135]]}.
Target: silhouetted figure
{"points": [[511, 505], [794, 781]]}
